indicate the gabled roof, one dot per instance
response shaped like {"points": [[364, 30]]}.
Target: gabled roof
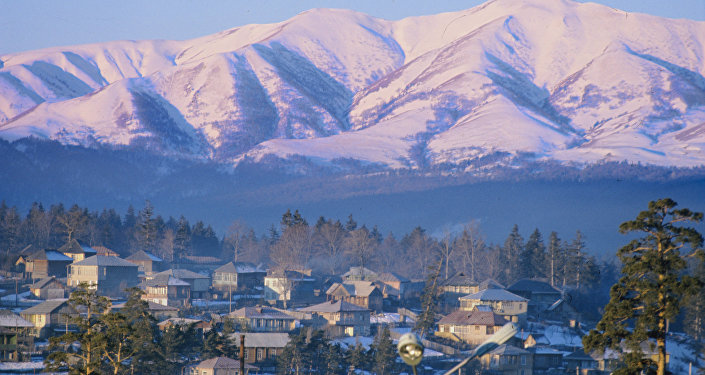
{"points": [[165, 280], [490, 284], [478, 318], [460, 279], [222, 362], [46, 307], [533, 287], [505, 349], [144, 256], [333, 306], [104, 261], [51, 255], [259, 313], [354, 288], [391, 276], [102, 250], [495, 295], [10, 319], [238, 267], [182, 274], [578, 355], [44, 282], [262, 339], [73, 247], [358, 271]]}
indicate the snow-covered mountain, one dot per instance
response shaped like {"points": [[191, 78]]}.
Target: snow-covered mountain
{"points": [[538, 79]]}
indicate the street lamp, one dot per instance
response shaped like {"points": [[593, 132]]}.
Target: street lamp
{"points": [[411, 350]]}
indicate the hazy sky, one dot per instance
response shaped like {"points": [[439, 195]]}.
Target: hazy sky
{"points": [[33, 24]]}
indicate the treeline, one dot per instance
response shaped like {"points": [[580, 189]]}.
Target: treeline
{"points": [[328, 246]]}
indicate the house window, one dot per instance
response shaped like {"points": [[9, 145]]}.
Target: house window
{"points": [[523, 361], [477, 328], [260, 354]]}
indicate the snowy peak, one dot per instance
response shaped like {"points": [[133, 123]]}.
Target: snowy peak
{"points": [[497, 83]]}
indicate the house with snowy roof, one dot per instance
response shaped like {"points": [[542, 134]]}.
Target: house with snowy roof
{"points": [[263, 319], [541, 295], [76, 251], [472, 327], [238, 276], [454, 287], [167, 290], [502, 302], [508, 360], [158, 311], [362, 293], [289, 286], [200, 284], [393, 286], [44, 263], [14, 335], [262, 348], [219, 366], [146, 262], [342, 318], [48, 288], [109, 275], [360, 274]]}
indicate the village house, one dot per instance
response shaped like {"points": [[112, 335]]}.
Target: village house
{"points": [[220, 366], [15, 336], [490, 284], [509, 305], [104, 251], [262, 348], [472, 327], [199, 283], [49, 317], [48, 288], [580, 363], [167, 290], [360, 274], [541, 295], [342, 318], [159, 311], [289, 287], [44, 263], [237, 276], [362, 293], [76, 251], [545, 359], [263, 319], [393, 286], [508, 360], [109, 275], [455, 287], [148, 263]]}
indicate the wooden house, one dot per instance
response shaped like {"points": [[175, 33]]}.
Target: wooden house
{"points": [[509, 305], [238, 276], [287, 287], [541, 295], [455, 287], [167, 290], [362, 293], [263, 319], [342, 318], [200, 284], [147, 263], [472, 327], [76, 251], [49, 317], [262, 348], [159, 311], [109, 275], [15, 336], [49, 288], [219, 366], [508, 360], [44, 263]]}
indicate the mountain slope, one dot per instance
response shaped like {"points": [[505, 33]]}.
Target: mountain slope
{"points": [[498, 83]]}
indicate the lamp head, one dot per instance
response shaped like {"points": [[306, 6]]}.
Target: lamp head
{"points": [[410, 349]]}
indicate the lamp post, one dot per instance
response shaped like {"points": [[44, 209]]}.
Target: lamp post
{"points": [[411, 350]]}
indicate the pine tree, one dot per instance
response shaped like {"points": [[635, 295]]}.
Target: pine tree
{"points": [[384, 353], [653, 285], [533, 258], [513, 247], [554, 251]]}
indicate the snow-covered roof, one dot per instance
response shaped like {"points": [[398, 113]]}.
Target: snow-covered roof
{"points": [[222, 363], [354, 288], [259, 312], [182, 274], [333, 306], [262, 339], [46, 307], [480, 318], [460, 279], [238, 267], [495, 295], [12, 320], [165, 280], [104, 261], [144, 256]]}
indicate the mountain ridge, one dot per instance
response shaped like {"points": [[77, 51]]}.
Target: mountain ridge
{"points": [[560, 80]]}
